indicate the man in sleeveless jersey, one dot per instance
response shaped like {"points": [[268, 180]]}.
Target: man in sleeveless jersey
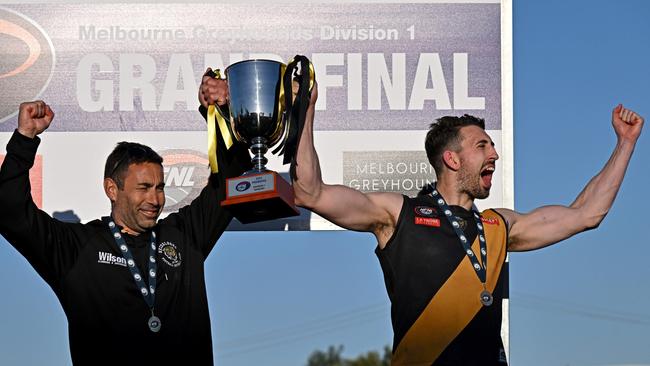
{"points": [[441, 263], [442, 260]]}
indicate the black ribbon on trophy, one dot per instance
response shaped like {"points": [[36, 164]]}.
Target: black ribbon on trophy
{"points": [[263, 111], [295, 109]]}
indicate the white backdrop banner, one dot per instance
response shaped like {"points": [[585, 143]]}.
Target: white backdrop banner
{"points": [[114, 72]]}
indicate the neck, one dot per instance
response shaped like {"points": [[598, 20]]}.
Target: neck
{"points": [[452, 195], [125, 228]]}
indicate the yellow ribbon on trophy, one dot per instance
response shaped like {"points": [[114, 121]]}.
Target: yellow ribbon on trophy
{"points": [[215, 117]]}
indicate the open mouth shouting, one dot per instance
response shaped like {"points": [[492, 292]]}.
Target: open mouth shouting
{"points": [[486, 175]]}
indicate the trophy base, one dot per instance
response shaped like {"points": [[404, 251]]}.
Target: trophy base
{"points": [[259, 197]]}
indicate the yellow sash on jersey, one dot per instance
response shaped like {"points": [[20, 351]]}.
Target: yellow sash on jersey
{"points": [[456, 303]]}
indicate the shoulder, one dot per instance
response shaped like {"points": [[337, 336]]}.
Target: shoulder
{"points": [[94, 224], [390, 202], [494, 219], [506, 215], [494, 214], [91, 229], [421, 201]]}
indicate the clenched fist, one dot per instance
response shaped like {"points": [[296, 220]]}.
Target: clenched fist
{"points": [[34, 118], [212, 90], [627, 124]]}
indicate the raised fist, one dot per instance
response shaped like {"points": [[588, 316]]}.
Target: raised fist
{"points": [[34, 118], [212, 90], [627, 124]]}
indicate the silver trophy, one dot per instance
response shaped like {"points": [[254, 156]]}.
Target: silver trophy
{"points": [[257, 117], [256, 109]]}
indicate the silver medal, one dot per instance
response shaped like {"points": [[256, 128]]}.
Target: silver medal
{"points": [[154, 324], [486, 298]]}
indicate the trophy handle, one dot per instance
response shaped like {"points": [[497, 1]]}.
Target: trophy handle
{"points": [[295, 110]]}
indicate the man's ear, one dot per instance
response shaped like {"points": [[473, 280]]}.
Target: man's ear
{"points": [[451, 160], [110, 188]]}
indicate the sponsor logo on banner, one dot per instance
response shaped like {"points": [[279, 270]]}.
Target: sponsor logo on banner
{"points": [[27, 61], [169, 254], [35, 179], [490, 221], [404, 172], [426, 211], [186, 173], [427, 221]]}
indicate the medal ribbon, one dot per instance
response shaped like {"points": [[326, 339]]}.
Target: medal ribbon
{"points": [[149, 294], [481, 271]]}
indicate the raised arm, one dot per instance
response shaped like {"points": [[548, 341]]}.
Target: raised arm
{"points": [[38, 237], [344, 206], [204, 218], [549, 224]]}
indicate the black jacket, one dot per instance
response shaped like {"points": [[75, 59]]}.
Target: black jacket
{"points": [[107, 315]]}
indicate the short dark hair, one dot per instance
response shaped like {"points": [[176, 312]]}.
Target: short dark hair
{"points": [[125, 154], [444, 134]]}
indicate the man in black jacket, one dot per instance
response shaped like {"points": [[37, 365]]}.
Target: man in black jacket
{"points": [[131, 286]]}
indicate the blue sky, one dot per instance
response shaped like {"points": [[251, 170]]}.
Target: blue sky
{"points": [[275, 297]]}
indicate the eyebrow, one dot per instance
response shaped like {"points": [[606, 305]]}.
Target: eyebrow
{"points": [[484, 140]]}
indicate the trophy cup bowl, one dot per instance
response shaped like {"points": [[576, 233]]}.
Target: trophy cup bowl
{"points": [[256, 109], [256, 117]]}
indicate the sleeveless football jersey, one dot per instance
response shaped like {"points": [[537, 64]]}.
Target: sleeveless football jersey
{"points": [[436, 312]]}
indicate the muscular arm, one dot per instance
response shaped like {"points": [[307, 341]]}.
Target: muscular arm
{"points": [[344, 206], [549, 224]]}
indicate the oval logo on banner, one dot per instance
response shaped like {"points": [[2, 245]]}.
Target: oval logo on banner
{"points": [[186, 173], [27, 62]]}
